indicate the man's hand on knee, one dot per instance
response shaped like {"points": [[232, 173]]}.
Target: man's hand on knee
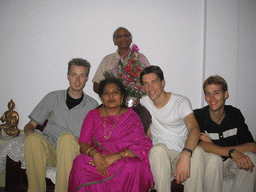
{"points": [[30, 127], [242, 161], [182, 170]]}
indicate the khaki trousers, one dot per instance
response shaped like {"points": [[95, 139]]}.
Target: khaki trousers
{"points": [[218, 173], [39, 153], [163, 162]]}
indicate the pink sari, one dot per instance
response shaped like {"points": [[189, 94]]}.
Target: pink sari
{"points": [[126, 175]]}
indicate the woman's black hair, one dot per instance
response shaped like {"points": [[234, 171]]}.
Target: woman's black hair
{"points": [[114, 80]]}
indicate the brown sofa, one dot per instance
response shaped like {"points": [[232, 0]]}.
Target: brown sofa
{"points": [[16, 178]]}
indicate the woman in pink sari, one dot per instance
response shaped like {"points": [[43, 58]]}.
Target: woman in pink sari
{"points": [[114, 148]]}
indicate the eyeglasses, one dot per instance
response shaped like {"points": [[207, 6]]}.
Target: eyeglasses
{"points": [[124, 35]]}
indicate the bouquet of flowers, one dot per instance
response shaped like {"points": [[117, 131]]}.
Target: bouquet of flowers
{"points": [[129, 72]]}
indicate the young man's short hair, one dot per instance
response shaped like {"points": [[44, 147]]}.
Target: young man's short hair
{"points": [[152, 69], [80, 62], [217, 80]]}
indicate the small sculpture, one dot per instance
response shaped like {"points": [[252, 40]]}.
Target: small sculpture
{"points": [[11, 119]]}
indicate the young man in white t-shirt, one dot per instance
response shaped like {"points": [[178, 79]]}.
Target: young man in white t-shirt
{"points": [[175, 135]]}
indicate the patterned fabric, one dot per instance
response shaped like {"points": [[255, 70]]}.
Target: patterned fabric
{"points": [[129, 174], [14, 149]]}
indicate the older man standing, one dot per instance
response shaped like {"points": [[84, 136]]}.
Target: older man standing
{"points": [[122, 39]]}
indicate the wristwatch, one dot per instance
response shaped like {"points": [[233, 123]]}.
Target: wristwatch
{"points": [[188, 150], [230, 153]]}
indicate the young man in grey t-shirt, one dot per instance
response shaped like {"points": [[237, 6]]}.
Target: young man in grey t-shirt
{"points": [[65, 111]]}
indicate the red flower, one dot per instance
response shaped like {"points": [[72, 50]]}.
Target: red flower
{"points": [[137, 69], [127, 69], [133, 74], [138, 87], [130, 79], [133, 61], [129, 74]]}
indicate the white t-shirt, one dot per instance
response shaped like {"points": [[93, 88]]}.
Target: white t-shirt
{"points": [[168, 125]]}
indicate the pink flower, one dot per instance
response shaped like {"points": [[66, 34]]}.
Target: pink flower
{"points": [[135, 48]]}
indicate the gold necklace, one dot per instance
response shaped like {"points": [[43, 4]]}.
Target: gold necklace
{"points": [[105, 134]]}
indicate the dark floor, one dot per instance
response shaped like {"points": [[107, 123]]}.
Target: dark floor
{"points": [[1, 189]]}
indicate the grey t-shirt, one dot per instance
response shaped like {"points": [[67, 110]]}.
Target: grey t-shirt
{"points": [[60, 119]]}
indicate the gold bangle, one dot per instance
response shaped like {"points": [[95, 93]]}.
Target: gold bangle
{"points": [[89, 150], [95, 154], [89, 154], [120, 155], [95, 151], [126, 153]]}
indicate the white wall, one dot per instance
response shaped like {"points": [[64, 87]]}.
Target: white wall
{"points": [[246, 75], [38, 38], [221, 43], [188, 39], [230, 51]]}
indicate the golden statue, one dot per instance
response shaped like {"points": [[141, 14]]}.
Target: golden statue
{"points": [[11, 119]]}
